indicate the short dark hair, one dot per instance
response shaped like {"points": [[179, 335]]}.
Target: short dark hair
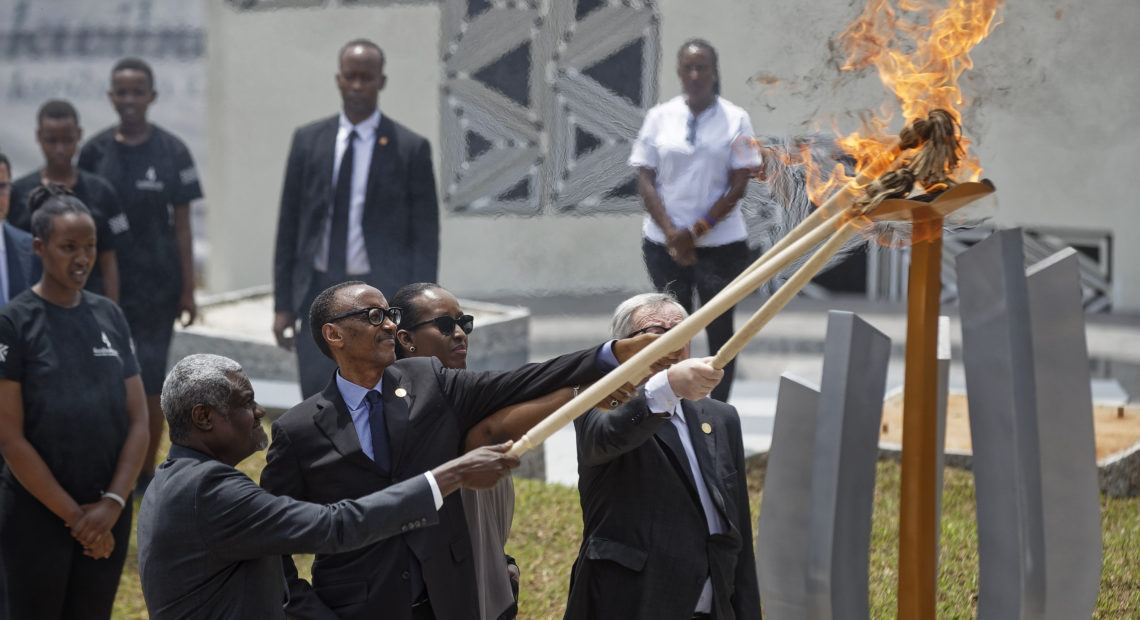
{"points": [[7, 164], [407, 299], [47, 202], [366, 43], [324, 308], [56, 109], [705, 45], [134, 64]]}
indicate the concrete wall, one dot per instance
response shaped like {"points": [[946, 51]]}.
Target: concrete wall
{"points": [[1052, 101], [1052, 90]]}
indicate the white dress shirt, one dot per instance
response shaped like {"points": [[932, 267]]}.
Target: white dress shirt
{"points": [[693, 174], [355, 397], [356, 262], [660, 398]]}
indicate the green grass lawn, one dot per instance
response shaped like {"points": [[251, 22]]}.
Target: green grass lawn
{"points": [[548, 528]]}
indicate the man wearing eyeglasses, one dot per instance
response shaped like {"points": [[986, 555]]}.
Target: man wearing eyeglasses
{"points": [[666, 532], [378, 422]]}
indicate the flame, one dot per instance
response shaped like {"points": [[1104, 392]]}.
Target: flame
{"points": [[920, 51]]}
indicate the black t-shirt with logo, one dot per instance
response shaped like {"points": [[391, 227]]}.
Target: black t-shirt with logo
{"points": [[150, 179], [111, 224], [71, 364]]}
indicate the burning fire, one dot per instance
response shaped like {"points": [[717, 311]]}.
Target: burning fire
{"points": [[920, 51]]}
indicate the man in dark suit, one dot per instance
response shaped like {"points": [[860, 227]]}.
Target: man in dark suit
{"points": [[209, 538], [19, 266], [359, 203], [666, 527], [377, 422]]}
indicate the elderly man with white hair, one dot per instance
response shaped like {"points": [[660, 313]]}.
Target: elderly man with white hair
{"points": [[667, 532], [210, 540]]}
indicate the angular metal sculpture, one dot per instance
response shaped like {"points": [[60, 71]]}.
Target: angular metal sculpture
{"points": [[1070, 493], [843, 473], [781, 536], [997, 352]]}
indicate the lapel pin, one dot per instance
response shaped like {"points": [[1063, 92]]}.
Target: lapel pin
{"points": [[706, 427], [400, 392], [383, 140]]}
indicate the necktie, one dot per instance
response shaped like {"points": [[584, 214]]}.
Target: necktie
{"points": [[338, 234], [380, 449]]}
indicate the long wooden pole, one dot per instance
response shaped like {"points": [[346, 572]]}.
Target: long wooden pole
{"points": [[918, 561], [637, 367], [838, 202], [781, 297]]}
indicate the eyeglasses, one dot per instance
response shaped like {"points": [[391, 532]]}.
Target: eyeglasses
{"points": [[652, 329], [691, 137], [446, 324], [375, 315]]}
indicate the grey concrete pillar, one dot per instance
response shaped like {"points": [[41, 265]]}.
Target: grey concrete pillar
{"points": [[781, 534], [843, 473], [1069, 493], [997, 352]]}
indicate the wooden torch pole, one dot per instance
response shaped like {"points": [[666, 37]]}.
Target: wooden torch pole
{"points": [[918, 562]]}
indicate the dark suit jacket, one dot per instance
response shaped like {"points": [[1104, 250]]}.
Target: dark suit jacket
{"points": [[210, 539], [24, 267], [316, 456], [401, 214], [646, 548]]}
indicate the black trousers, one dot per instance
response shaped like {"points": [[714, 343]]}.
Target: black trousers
{"points": [[44, 571], [716, 266], [315, 368]]}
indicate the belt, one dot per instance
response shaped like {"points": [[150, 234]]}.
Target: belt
{"points": [[702, 616]]}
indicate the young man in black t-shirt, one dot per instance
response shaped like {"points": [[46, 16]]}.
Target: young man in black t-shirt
{"points": [[154, 175], [58, 133]]}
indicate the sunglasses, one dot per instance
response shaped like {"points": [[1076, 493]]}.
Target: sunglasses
{"points": [[374, 314], [652, 329], [446, 324]]}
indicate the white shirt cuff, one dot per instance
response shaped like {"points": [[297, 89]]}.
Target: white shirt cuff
{"points": [[659, 394], [435, 494]]}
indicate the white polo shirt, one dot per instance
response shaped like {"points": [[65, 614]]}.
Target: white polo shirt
{"points": [[693, 158]]}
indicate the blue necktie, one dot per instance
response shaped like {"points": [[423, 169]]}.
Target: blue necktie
{"points": [[380, 450]]}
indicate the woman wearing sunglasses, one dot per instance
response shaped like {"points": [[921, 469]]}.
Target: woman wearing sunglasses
{"points": [[433, 325]]}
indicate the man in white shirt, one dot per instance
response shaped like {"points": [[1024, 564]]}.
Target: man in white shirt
{"points": [[358, 203], [667, 532]]}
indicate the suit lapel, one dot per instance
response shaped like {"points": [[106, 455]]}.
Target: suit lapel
{"points": [[397, 411], [382, 146], [671, 444], [325, 156], [704, 446], [333, 419]]}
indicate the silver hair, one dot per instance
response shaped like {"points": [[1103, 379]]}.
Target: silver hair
{"points": [[622, 322], [199, 379]]}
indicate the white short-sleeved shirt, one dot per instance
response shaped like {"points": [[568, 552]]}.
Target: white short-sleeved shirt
{"points": [[692, 175]]}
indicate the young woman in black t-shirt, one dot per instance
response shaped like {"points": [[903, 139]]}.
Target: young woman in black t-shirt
{"points": [[73, 427]]}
